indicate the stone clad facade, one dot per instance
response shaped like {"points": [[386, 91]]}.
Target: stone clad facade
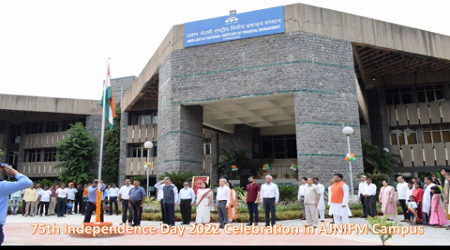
{"points": [[317, 70]]}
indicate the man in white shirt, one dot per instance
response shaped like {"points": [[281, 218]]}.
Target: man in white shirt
{"points": [[402, 187], [301, 196], [124, 199], [361, 196], [37, 205], [44, 198], [113, 195], [370, 191], [71, 191], [186, 199], [159, 197], [223, 201], [321, 204], [269, 199]]}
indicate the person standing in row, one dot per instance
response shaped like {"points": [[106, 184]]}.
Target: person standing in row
{"points": [[312, 197], [53, 200], [37, 204], [301, 196], [44, 198], [61, 201], [15, 201], [370, 190], [204, 204], [78, 204], [269, 199], [339, 201], [388, 200], [71, 191], [253, 195], [232, 209], [402, 188], [137, 198], [91, 206], [169, 200], [30, 199], [329, 200], [418, 196], [159, 197], [113, 195], [321, 204], [186, 198], [6, 188], [361, 197], [426, 200], [223, 202], [124, 199]]}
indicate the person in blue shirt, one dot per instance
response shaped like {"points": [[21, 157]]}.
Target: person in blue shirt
{"points": [[91, 204], [137, 198], [6, 188]]}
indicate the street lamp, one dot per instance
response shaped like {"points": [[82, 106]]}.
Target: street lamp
{"points": [[148, 145], [348, 131]]}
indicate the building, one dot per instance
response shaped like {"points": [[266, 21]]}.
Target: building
{"points": [[229, 83]]}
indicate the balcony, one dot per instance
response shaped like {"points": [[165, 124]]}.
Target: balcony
{"points": [[40, 169], [421, 155], [44, 140], [135, 165], [142, 133], [418, 113]]}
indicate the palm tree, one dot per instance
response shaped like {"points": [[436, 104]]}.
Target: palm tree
{"points": [[379, 161], [178, 178]]}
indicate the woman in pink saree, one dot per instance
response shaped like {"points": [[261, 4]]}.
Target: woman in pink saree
{"points": [[387, 199]]}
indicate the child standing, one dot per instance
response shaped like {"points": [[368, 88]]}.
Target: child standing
{"points": [[437, 215], [412, 209]]}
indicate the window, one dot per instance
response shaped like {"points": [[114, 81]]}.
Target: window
{"points": [[403, 136], [206, 147], [65, 125], [144, 119], [398, 96], [34, 155], [138, 150], [49, 155], [279, 146], [430, 93], [52, 127], [37, 128], [155, 118], [436, 134]]}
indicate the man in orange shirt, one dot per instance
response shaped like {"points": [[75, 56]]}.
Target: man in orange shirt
{"points": [[339, 201]]}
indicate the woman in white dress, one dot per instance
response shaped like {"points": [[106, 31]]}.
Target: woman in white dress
{"points": [[204, 204]]}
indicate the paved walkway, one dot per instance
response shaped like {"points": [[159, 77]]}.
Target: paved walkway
{"points": [[19, 231]]}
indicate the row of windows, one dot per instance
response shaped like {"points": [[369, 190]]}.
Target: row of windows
{"points": [[144, 119], [433, 134], [42, 155], [52, 126], [404, 95]]}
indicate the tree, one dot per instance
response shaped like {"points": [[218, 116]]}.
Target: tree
{"points": [[78, 150], [110, 168], [379, 161], [178, 178], [236, 157]]}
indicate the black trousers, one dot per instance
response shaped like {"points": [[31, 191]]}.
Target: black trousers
{"points": [[163, 218], [185, 209], [89, 209], [61, 206], [169, 214], [113, 201], [404, 208], [362, 198], [269, 208], [137, 212], [2, 236], [46, 205], [77, 205], [125, 208], [371, 206]]}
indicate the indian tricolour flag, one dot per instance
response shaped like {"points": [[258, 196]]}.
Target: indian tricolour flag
{"points": [[110, 111]]}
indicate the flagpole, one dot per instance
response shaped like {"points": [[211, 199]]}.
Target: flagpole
{"points": [[100, 162]]}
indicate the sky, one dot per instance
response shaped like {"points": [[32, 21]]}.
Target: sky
{"points": [[59, 48]]}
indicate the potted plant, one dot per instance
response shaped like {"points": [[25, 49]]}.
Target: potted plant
{"points": [[274, 176], [286, 175]]}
